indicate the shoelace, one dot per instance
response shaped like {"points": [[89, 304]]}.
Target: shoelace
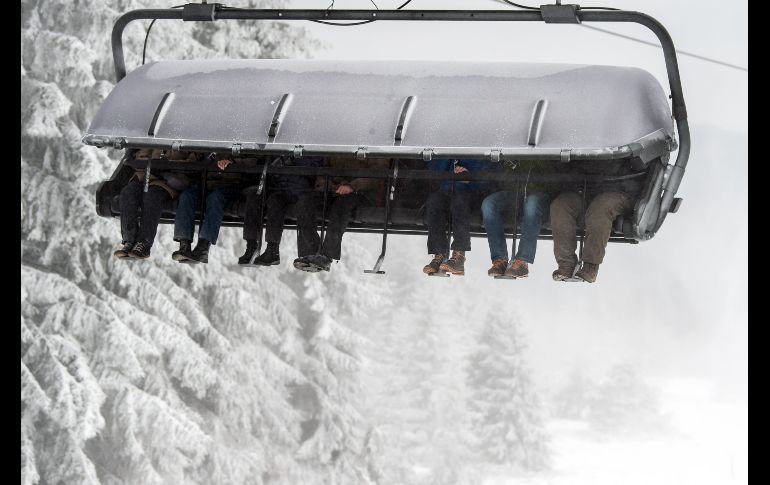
{"points": [[139, 247], [456, 255], [438, 258]]}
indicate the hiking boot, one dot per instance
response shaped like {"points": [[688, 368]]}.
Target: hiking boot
{"points": [[122, 253], [498, 267], [319, 262], [251, 252], [456, 264], [588, 272], [433, 266], [518, 269], [141, 250], [184, 252], [303, 264], [270, 257], [563, 272], [201, 252]]}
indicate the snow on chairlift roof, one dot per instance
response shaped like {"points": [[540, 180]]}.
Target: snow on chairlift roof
{"points": [[470, 110]]}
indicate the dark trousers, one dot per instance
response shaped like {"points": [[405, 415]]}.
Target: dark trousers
{"points": [[439, 207], [600, 214], [339, 211], [140, 211], [276, 205]]}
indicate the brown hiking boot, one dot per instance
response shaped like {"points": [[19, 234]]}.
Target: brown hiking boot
{"points": [[518, 269], [433, 266], [456, 264], [498, 267], [588, 272], [563, 272]]}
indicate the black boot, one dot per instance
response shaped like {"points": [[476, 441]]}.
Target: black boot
{"points": [[184, 252], [201, 252], [270, 257], [251, 250], [141, 250]]}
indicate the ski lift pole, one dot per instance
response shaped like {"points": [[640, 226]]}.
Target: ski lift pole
{"points": [[323, 214], [391, 186], [147, 174], [262, 193], [583, 209]]}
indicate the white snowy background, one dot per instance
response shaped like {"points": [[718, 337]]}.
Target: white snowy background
{"points": [[158, 373]]}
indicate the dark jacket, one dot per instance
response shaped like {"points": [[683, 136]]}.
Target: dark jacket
{"points": [[447, 165], [366, 186], [579, 168], [532, 168], [294, 183], [171, 181]]}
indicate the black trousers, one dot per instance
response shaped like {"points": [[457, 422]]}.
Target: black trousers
{"points": [[439, 207], [140, 211], [338, 212], [275, 207]]}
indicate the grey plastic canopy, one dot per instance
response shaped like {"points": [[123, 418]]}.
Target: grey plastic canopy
{"points": [[397, 109]]}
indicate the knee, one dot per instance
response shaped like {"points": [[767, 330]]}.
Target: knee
{"points": [[565, 204], [488, 208], [187, 198]]}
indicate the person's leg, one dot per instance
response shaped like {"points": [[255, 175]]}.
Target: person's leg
{"points": [[437, 218], [339, 216], [251, 216], [153, 202], [275, 207], [130, 202], [601, 213], [461, 221], [184, 222], [565, 210], [535, 207], [216, 202], [492, 209], [308, 240]]}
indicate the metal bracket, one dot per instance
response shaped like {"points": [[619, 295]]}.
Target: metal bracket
{"points": [[427, 154], [119, 143], [298, 151], [565, 155], [200, 12], [236, 149], [361, 153], [176, 146], [560, 14], [494, 155]]}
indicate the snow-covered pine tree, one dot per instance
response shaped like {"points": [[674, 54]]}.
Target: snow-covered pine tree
{"points": [[154, 372], [507, 412], [575, 398], [625, 404]]}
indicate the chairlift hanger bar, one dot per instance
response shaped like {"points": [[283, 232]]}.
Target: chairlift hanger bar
{"points": [[555, 13]]}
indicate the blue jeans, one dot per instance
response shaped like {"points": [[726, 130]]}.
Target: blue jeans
{"points": [[535, 206], [189, 200]]}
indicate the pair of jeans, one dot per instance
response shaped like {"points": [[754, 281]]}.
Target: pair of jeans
{"points": [[140, 211], [339, 212], [496, 205], [189, 200], [439, 207], [600, 215]]}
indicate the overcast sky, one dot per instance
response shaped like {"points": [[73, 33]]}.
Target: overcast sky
{"points": [[675, 305]]}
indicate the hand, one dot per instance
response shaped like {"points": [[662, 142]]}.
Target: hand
{"points": [[222, 164], [460, 169], [344, 189]]}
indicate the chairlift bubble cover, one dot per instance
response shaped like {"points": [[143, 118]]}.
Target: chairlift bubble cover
{"points": [[458, 109]]}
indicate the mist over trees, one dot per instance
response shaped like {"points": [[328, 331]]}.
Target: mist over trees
{"points": [[154, 372]]}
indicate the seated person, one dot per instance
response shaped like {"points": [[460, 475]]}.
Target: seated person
{"points": [[439, 206], [347, 194], [140, 211], [605, 201], [222, 189], [537, 198], [282, 191]]}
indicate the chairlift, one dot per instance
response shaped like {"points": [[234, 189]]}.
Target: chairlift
{"points": [[410, 112]]}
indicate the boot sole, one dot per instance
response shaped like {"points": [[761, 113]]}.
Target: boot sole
{"points": [[272, 263]]}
